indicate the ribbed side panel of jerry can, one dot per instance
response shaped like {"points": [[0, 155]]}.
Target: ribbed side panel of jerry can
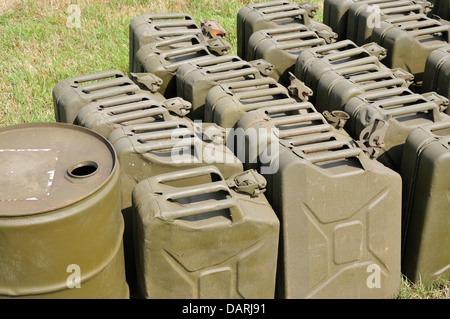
{"points": [[194, 80], [381, 121], [426, 203], [72, 94], [227, 102], [273, 14], [157, 147], [409, 40], [361, 14], [281, 46], [163, 58], [61, 227], [153, 27], [212, 239], [312, 63]]}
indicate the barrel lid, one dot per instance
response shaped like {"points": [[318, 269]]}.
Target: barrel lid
{"points": [[47, 166]]}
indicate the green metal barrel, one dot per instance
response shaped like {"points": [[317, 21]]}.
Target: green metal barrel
{"points": [[60, 222]]}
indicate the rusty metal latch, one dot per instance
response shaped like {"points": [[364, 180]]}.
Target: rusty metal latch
{"points": [[147, 81], [298, 89], [178, 106], [371, 139], [250, 182], [336, 118], [212, 29]]}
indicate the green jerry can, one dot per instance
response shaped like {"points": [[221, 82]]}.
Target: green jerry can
{"points": [[335, 14], [426, 220], [153, 148], [382, 121], [441, 9], [340, 217], [153, 27], [210, 239], [363, 15], [409, 40], [336, 88], [280, 47], [60, 222], [258, 132], [273, 14], [163, 58], [103, 118], [312, 63], [227, 102], [70, 95], [436, 77], [195, 79]]}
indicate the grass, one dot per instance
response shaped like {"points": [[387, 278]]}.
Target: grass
{"points": [[39, 50]]}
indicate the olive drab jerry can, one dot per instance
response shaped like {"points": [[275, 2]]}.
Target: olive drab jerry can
{"points": [[361, 19], [426, 203], [195, 79], [105, 117], [436, 77], [272, 14], [280, 47], [157, 147], [60, 223], [211, 237], [70, 95], [409, 40], [312, 63], [335, 88], [340, 217], [383, 120], [262, 129], [163, 58], [227, 102], [154, 27]]}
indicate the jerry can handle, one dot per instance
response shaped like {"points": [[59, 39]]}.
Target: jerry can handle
{"points": [[97, 76]]}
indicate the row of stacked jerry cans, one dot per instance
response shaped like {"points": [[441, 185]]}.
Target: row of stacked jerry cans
{"points": [[302, 167], [415, 34]]}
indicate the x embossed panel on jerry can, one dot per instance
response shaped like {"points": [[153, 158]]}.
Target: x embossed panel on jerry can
{"points": [[212, 239], [340, 217]]}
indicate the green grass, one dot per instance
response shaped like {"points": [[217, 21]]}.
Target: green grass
{"points": [[39, 50]]}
